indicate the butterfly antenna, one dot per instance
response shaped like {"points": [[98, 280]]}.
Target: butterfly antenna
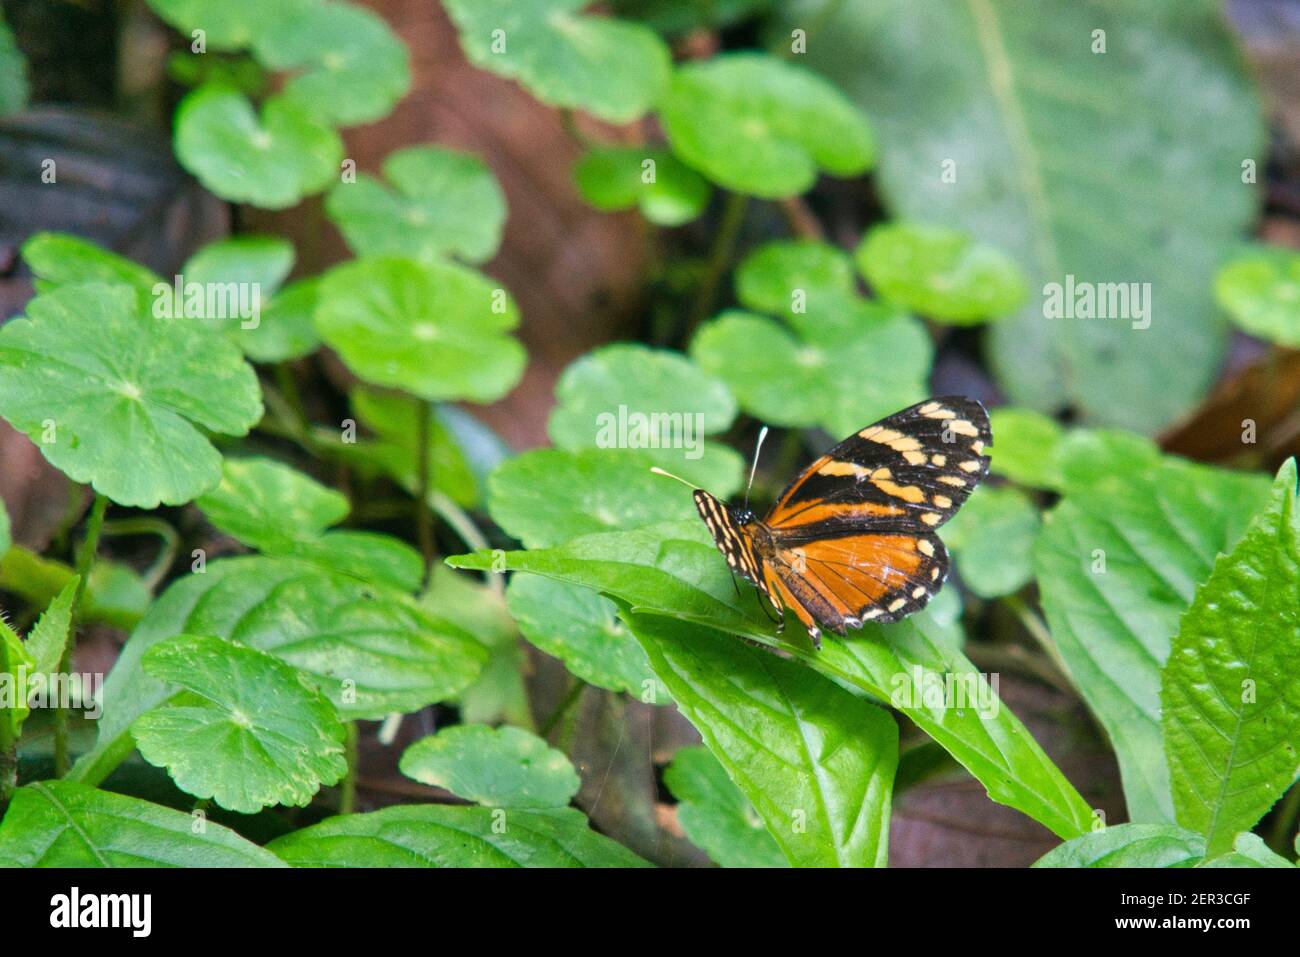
{"points": [[758, 447], [658, 471]]}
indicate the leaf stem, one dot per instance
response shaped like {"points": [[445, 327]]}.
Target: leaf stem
{"points": [[150, 525], [348, 788], [423, 513], [724, 245], [85, 564], [567, 702], [1038, 631]]}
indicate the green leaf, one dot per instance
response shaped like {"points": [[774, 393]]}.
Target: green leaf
{"points": [[1230, 706], [436, 330], [609, 68], [1154, 524], [227, 274], [758, 125], [666, 190], [393, 418], [1001, 119], [278, 510], [64, 824], [716, 816], [249, 732], [1260, 290], [1249, 850], [498, 693], [349, 66], [272, 160], [49, 636], [817, 762], [774, 276], [116, 595], [372, 651], [1028, 447], [60, 258], [115, 397], [812, 375], [993, 536], [548, 496], [941, 273], [228, 24], [496, 767], [437, 835], [1129, 845], [287, 329], [630, 396], [13, 73], [14, 660], [674, 570], [582, 629], [439, 202]]}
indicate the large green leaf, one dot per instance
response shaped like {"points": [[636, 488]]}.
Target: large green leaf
{"points": [[1248, 850], [372, 651], [674, 570], [610, 68], [582, 629], [349, 66], [13, 73], [64, 824], [278, 510], [940, 273], [59, 258], [666, 190], [434, 835], [812, 375], [774, 277], [1129, 845], [116, 397], [270, 160], [1230, 703], [1117, 563], [436, 201], [229, 24], [716, 816], [435, 329], [816, 761], [1006, 120], [548, 496], [993, 538], [496, 767], [759, 125], [248, 731], [631, 396]]}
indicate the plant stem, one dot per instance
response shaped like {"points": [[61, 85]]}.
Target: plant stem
{"points": [[148, 525], [85, 563], [724, 245], [800, 219], [8, 743], [561, 709], [423, 514], [348, 789], [1038, 631]]}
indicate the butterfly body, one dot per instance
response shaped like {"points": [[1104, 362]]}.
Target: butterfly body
{"points": [[852, 538]]}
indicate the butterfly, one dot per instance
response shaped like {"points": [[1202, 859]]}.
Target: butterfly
{"points": [[852, 538]]}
